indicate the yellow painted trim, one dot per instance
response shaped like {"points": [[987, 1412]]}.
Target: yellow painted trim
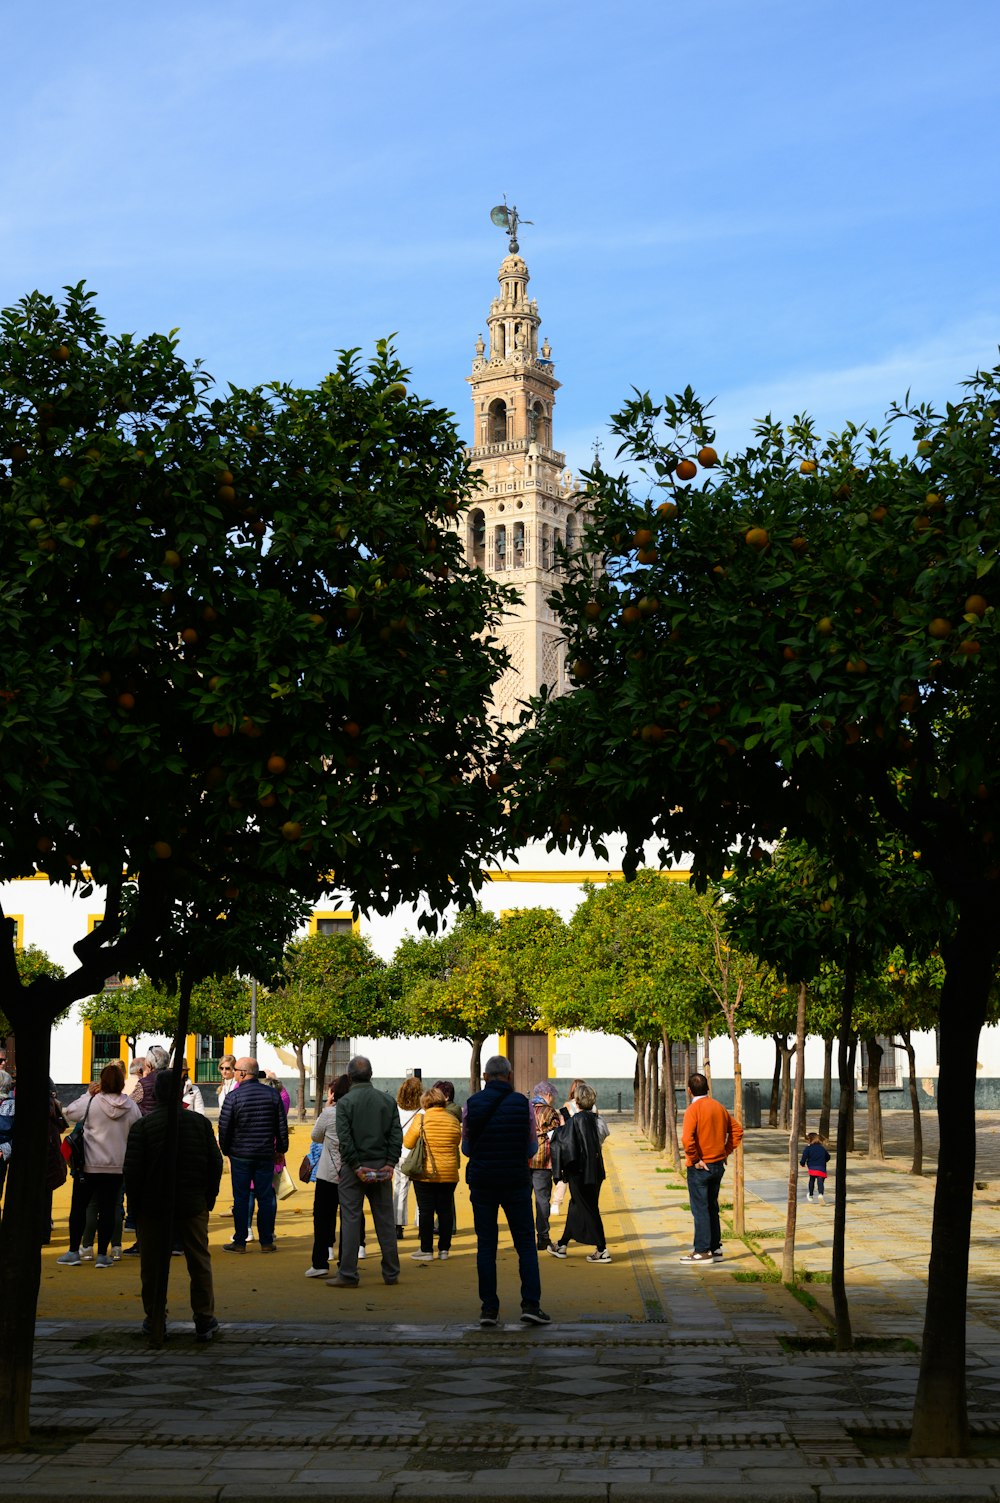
{"points": [[18, 920], [123, 1051], [227, 1044], [87, 1064], [550, 1046], [333, 913], [189, 1051], [512, 874]]}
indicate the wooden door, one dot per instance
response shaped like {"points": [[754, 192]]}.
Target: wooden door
{"points": [[529, 1056]]}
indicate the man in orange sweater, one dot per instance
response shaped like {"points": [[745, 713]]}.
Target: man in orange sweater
{"points": [[709, 1135]]}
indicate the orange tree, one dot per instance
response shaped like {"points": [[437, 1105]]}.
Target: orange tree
{"points": [[220, 1005], [239, 646], [331, 986], [806, 642]]}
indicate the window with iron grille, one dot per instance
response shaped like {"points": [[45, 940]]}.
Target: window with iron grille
{"points": [[335, 925], [888, 1073], [107, 1046]]}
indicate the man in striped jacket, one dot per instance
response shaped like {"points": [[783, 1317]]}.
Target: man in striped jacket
{"points": [[253, 1133]]}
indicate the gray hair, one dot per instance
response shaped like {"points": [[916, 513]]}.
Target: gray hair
{"points": [[586, 1096], [156, 1056], [498, 1068], [137, 1066], [6, 1081], [360, 1068]]}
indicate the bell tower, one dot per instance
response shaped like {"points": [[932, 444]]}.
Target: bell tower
{"points": [[524, 510]]}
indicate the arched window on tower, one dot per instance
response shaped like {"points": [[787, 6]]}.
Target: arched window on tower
{"points": [[557, 555], [500, 547], [517, 562], [476, 548], [570, 533], [498, 421], [546, 546], [541, 425]]}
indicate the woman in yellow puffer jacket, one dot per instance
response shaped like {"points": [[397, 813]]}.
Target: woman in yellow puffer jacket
{"points": [[434, 1186]]}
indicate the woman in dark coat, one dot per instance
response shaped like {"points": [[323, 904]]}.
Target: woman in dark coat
{"points": [[581, 1165]]}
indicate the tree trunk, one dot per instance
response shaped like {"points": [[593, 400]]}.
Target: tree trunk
{"points": [[637, 1088], [786, 1081], [656, 1134], [739, 1198], [788, 1256], [300, 1060], [940, 1415], [772, 1116], [167, 1183], [846, 1050], [643, 1090], [670, 1095], [476, 1062], [873, 1070], [20, 1232], [917, 1167], [325, 1045], [825, 1108], [706, 1046], [661, 1103]]}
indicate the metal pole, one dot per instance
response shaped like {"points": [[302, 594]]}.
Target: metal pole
{"points": [[253, 1018]]}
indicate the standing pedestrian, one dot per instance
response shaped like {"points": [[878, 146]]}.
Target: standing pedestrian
{"points": [[709, 1135], [547, 1119], [227, 1077], [434, 1186], [326, 1195], [199, 1174], [106, 1115], [408, 1105], [581, 1166], [253, 1132], [499, 1140], [371, 1140]]}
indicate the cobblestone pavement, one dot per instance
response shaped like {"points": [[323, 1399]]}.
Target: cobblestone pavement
{"points": [[711, 1382]]}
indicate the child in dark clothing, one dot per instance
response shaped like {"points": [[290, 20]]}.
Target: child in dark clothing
{"points": [[815, 1158]]}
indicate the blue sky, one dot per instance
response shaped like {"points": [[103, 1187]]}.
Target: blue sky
{"points": [[790, 205]]}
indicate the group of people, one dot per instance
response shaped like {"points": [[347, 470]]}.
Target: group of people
{"points": [[521, 1155]]}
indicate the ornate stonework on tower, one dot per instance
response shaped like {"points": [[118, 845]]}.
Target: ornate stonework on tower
{"points": [[525, 505]]}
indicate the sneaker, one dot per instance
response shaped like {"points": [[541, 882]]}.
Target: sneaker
{"points": [[205, 1327], [70, 1259], [317, 1273], [600, 1256], [534, 1315], [234, 1247], [422, 1257], [250, 1234], [443, 1253], [361, 1253], [131, 1252], [177, 1252], [116, 1254], [697, 1257], [489, 1318], [717, 1252], [86, 1254], [557, 1250], [103, 1260]]}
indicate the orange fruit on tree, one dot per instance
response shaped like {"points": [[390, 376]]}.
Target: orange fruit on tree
{"points": [[647, 555], [189, 635], [878, 513], [686, 470], [969, 648], [976, 605], [643, 537], [789, 654], [667, 509], [707, 457], [592, 610], [631, 615], [352, 729], [222, 728], [857, 665], [127, 701], [268, 800], [291, 830], [652, 734], [939, 628], [276, 764], [807, 467], [162, 850], [171, 559], [757, 537], [582, 668]]}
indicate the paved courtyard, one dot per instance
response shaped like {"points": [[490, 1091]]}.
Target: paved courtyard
{"points": [[656, 1379]]}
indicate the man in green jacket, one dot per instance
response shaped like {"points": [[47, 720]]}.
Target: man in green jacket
{"points": [[371, 1141], [199, 1174]]}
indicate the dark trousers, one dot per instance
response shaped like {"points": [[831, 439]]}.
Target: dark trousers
{"points": [[703, 1193], [260, 1173], [541, 1183], [325, 1203], [816, 1183], [583, 1219], [435, 1199], [192, 1234], [106, 1189], [353, 1195], [515, 1202]]}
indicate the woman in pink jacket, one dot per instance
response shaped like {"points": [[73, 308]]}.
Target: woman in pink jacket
{"points": [[107, 1115]]}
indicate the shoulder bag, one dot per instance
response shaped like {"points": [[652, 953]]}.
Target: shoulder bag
{"points": [[413, 1164], [77, 1145]]}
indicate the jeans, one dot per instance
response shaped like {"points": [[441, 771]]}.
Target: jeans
{"points": [[259, 1172], [703, 1193], [515, 1202], [541, 1183], [435, 1198]]}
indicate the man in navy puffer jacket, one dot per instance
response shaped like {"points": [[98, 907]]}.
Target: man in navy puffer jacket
{"points": [[253, 1133], [499, 1139]]}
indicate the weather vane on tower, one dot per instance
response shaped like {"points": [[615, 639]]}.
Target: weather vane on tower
{"points": [[508, 219]]}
